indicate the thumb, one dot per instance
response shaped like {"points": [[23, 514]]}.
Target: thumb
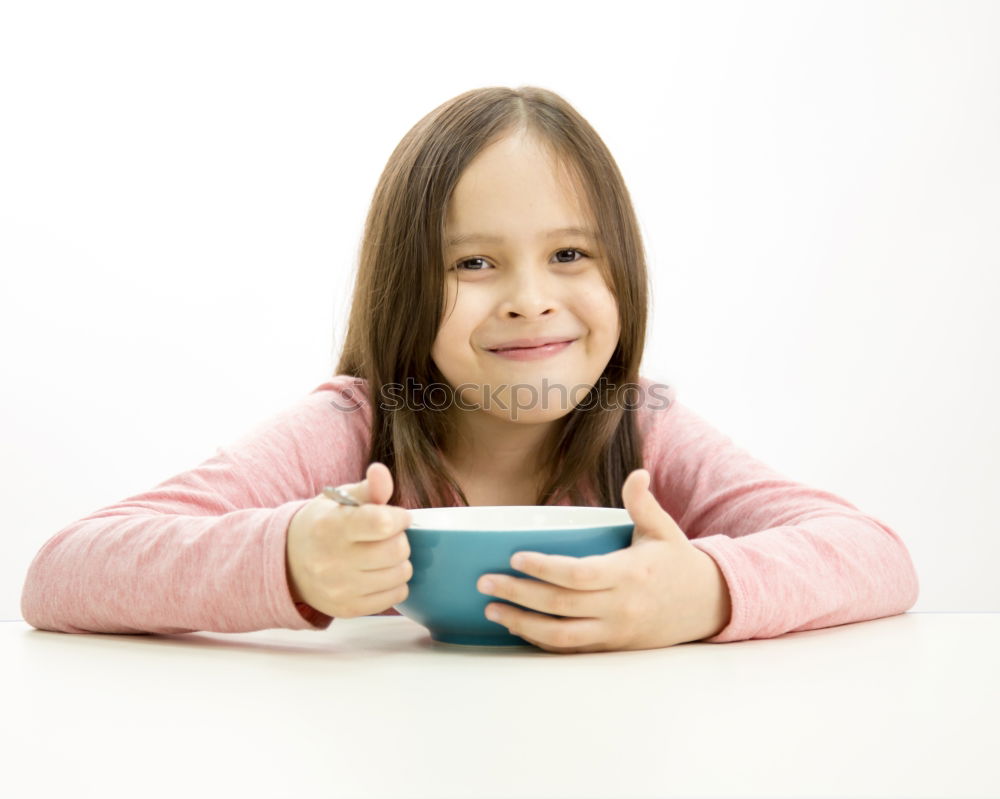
{"points": [[376, 488], [650, 519]]}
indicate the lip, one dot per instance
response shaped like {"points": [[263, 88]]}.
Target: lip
{"points": [[533, 353], [528, 343]]}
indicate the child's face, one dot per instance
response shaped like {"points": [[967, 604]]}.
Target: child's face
{"points": [[526, 285]]}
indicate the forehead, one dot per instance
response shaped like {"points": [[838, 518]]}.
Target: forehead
{"points": [[516, 186], [457, 239]]}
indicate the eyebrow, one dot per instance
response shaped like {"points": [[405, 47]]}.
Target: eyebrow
{"points": [[467, 238]]}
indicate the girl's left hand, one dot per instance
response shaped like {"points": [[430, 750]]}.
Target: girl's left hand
{"points": [[660, 591]]}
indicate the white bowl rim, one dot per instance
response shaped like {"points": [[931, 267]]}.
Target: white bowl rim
{"points": [[518, 518]]}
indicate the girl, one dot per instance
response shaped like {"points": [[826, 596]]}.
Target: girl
{"points": [[494, 340]]}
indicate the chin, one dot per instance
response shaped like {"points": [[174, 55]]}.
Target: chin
{"points": [[518, 415]]}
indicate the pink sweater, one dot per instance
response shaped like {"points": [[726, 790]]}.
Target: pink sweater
{"points": [[205, 549]]}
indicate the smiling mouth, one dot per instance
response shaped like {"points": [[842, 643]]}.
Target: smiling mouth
{"points": [[536, 347], [541, 352]]}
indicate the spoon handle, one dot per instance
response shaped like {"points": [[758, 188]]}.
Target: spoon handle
{"points": [[339, 495]]}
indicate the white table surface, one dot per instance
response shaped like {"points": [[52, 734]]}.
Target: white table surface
{"points": [[903, 706]]}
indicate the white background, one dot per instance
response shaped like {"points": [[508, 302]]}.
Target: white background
{"points": [[183, 185]]}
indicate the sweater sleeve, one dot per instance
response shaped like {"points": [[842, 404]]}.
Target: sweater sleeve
{"points": [[204, 549], [794, 557]]}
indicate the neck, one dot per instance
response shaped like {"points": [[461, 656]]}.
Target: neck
{"points": [[489, 449]]}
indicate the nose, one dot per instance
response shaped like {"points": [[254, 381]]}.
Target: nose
{"points": [[528, 292]]}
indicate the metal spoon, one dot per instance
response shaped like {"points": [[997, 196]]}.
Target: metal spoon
{"points": [[338, 494]]}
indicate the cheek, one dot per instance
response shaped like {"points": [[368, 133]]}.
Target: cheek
{"points": [[450, 313], [455, 331], [599, 307]]}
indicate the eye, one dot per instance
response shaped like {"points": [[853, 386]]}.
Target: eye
{"points": [[572, 249], [459, 266]]}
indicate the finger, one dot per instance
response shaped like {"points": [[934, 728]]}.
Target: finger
{"points": [[637, 496], [380, 487], [590, 573], [374, 555], [648, 516], [373, 522], [373, 582], [375, 488], [378, 483], [547, 598], [567, 635], [380, 600]]}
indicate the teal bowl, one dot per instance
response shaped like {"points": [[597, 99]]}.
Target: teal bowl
{"points": [[453, 547]]}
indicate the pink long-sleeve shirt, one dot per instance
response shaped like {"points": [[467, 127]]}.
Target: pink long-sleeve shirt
{"points": [[205, 549]]}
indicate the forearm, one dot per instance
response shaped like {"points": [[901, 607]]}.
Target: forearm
{"points": [[716, 606]]}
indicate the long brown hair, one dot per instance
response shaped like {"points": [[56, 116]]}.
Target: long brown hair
{"points": [[397, 305]]}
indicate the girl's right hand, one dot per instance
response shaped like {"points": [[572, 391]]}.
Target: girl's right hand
{"points": [[350, 561]]}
